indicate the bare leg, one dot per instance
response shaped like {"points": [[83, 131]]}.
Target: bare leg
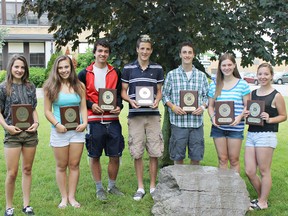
{"points": [[194, 162], [264, 159], [222, 151], [153, 167], [95, 167], [28, 154], [251, 168], [12, 156], [234, 147], [179, 162], [61, 157], [138, 164], [75, 152], [113, 168]]}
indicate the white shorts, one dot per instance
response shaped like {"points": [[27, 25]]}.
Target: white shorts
{"points": [[261, 139], [64, 139]]}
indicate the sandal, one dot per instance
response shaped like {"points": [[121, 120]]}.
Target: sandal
{"points": [[75, 205], [253, 202], [62, 206], [256, 207]]}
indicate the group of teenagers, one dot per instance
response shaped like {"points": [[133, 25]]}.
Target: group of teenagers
{"points": [[103, 129]]}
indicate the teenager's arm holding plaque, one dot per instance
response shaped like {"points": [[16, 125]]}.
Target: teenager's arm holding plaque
{"points": [[242, 115], [158, 96], [211, 111], [83, 111], [49, 115], [167, 89], [126, 97], [35, 125], [11, 129], [119, 103], [203, 97]]}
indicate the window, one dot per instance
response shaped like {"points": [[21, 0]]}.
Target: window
{"points": [[37, 54], [13, 8]]}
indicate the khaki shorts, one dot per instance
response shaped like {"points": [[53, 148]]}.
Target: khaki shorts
{"points": [[145, 132], [24, 139]]}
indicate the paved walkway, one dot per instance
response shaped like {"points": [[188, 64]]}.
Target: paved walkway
{"points": [[39, 92]]}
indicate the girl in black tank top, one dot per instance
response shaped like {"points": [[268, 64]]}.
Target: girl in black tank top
{"points": [[261, 140]]}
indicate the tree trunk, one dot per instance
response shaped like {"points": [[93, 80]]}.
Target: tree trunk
{"points": [[166, 131]]}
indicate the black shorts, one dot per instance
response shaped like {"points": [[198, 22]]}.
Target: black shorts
{"points": [[105, 136]]}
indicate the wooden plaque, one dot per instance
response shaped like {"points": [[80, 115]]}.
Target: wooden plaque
{"points": [[188, 100], [255, 107], [224, 112], [22, 115], [145, 95], [107, 99], [70, 117]]}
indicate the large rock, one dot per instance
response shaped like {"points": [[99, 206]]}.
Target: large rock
{"points": [[200, 190]]}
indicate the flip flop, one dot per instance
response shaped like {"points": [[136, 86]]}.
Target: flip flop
{"points": [[62, 206], [75, 205]]}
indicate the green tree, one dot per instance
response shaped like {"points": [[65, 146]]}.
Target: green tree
{"points": [[256, 28]]}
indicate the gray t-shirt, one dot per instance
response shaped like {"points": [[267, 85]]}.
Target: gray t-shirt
{"points": [[20, 94]]}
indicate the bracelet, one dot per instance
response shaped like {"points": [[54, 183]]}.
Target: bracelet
{"points": [[173, 107], [37, 123], [56, 124], [203, 107], [211, 117]]}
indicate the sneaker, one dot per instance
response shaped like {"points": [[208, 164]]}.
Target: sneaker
{"points": [[138, 195], [152, 192], [101, 194], [9, 212], [114, 190], [28, 210]]}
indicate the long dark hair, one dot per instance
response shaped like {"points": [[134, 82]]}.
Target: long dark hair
{"points": [[220, 76], [9, 76], [53, 84]]}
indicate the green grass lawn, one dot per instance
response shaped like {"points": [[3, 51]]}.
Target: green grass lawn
{"points": [[45, 195]]}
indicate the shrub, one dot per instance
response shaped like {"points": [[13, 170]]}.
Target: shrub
{"points": [[37, 76], [51, 62], [2, 75], [84, 59]]}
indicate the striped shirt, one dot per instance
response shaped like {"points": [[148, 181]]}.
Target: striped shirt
{"points": [[235, 94], [134, 76], [177, 80]]}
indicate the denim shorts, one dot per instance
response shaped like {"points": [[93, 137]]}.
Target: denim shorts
{"points": [[107, 137], [261, 139], [217, 133], [182, 138], [64, 139]]}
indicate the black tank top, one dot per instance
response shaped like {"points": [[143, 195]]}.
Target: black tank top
{"points": [[270, 110]]}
